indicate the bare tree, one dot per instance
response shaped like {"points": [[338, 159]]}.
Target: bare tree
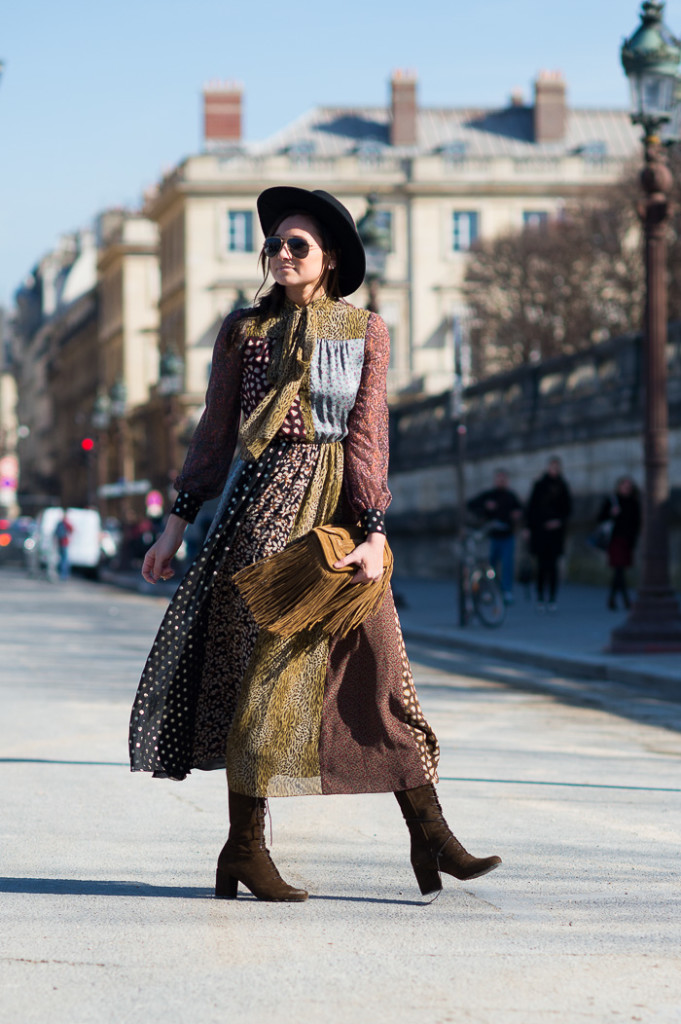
{"points": [[560, 287]]}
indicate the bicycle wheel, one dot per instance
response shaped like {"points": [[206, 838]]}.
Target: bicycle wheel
{"points": [[488, 600]]}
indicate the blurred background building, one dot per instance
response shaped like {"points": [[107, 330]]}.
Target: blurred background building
{"points": [[112, 336], [9, 463]]}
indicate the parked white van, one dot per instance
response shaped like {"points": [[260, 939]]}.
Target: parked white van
{"points": [[85, 549]]}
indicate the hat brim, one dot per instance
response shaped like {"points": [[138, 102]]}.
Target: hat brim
{"points": [[277, 201]]}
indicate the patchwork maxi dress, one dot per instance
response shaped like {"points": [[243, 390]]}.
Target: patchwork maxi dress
{"points": [[311, 713]]}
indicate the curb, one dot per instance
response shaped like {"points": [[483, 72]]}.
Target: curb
{"points": [[663, 684], [135, 583]]}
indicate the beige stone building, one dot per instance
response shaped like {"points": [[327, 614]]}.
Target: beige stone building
{"points": [[85, 352], [128, 286], [72, 378], [8, 426], [48, 316], [442, 177]]}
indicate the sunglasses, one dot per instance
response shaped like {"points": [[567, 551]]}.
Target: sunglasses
{"points": [[298, 247]]}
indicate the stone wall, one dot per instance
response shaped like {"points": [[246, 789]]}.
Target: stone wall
{"points": [[587, 408]]}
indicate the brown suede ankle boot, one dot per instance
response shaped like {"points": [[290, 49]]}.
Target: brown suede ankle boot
{"points": [[245, 858], [433, 847]]}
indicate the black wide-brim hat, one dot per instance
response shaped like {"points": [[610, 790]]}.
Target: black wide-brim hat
{"points": [[274, 203]]}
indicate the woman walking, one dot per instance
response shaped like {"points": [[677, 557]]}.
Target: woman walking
{"points": [[309, 713], [623, 510]]}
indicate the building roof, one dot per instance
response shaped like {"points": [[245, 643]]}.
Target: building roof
{"points": [[475, 133]]}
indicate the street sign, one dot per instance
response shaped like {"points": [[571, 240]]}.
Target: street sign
{"points": [[123, 488], [154, 504], [9, 472]]}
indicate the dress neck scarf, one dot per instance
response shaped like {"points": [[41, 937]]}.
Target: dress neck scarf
{"points": [[294, 337]]}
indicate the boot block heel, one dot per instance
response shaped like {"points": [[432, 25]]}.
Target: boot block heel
{"points": [[428, 878], [225, 885]]}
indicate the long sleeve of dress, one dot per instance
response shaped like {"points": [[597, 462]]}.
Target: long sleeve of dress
{"points": [[366, 446], [212, 446]]}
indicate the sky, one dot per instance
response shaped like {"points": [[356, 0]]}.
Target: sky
{"points": [[98, 100]]}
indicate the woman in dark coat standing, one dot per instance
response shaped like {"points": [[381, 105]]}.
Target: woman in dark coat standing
{"points": [[623, 510], [305, 373], [548, 511]]}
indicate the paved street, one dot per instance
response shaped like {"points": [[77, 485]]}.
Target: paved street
{"points": [[107, 913]]}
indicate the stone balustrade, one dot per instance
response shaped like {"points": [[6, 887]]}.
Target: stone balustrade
{"points": [[587, 408]]}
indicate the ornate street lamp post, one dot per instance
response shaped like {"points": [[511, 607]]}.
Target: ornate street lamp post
{"points": [[171, 386], [650, 59], [240, 302], [375, 237]]}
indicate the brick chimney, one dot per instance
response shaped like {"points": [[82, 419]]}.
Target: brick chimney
{"points": [[221, 114], [403, 128], [550, 109]]}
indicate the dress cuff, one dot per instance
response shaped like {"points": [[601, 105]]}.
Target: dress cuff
{"points": [[187, 506], [373, 521]]}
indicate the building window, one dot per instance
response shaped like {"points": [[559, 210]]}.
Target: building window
{"points": [[302, 152], [454, 152], [370, 153], [384, 221], [464, 229], [594, 152], [240, 235], [535, 218]]}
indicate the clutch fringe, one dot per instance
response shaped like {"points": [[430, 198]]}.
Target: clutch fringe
{"points": [[298, 588]]}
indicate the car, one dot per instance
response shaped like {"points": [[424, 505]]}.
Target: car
{"points": [[13, 536]]}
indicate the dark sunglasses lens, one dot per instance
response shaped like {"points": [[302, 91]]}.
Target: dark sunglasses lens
{"points": [[298, 247], [272, 246]]}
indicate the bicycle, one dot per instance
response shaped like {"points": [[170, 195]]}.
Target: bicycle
{"points": [[479, 590]]}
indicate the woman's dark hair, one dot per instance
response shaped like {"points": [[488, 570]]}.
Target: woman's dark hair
{"points": [[272, 302]]}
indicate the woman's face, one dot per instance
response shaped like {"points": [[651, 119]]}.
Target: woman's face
{"points": [[624, 486], [299, 276]]}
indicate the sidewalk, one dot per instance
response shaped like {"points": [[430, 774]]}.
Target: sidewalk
{"points": [[129, 579], [571, 641]]}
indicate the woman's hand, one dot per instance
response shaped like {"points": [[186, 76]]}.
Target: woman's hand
{"points": [[368, 556], [156, 565]]}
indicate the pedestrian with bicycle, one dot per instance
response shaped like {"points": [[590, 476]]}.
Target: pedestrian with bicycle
{"points": [[501, 509], [548, 511]]}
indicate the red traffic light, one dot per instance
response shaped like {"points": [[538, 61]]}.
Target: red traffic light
{"points": [[87, 444]]}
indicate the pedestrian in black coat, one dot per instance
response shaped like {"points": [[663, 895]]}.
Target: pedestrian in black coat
{"points": [[623, 510], [548, 511]]}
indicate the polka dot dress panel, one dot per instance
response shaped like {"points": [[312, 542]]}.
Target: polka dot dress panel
{"points": [[163, 720]]}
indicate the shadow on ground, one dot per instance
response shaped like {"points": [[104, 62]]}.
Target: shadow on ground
{"points": [[105, 887]]}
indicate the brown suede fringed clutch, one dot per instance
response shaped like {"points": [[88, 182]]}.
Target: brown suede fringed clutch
{"points": [[298, 587]]}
